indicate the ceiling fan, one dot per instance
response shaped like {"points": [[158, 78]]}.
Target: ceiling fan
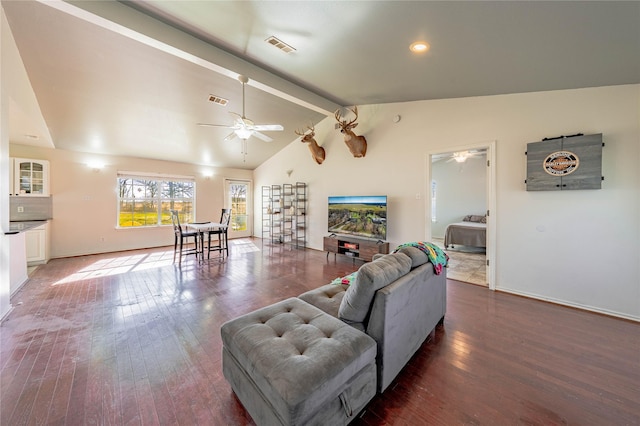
{"points": [[462, 156], [244, 128]]}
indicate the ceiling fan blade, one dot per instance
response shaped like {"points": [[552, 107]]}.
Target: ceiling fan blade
{"points": [[230, 136], [215, 125], [268, 127], [237, 116], [261, 136], [243, 120]]}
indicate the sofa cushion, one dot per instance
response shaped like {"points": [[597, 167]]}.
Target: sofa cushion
{"points": [[417, 256], [438, 257], [328, 297], [370, 278]]}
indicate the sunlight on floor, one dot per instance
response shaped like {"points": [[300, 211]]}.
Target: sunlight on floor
{"points": [[460, 351], [243, 246], [117, 265], [120, 265]]}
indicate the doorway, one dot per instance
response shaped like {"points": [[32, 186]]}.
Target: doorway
{"points": [[467, 189], [237, 195]]}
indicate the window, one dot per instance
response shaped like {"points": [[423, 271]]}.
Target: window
{"points": [[434, 186], [148, 200]]}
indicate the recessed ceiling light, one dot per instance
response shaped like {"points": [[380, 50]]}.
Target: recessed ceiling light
{"points": [[419, 47], [32, 136]]}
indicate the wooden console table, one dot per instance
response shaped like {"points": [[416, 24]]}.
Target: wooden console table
{"points": [[355, 248]]}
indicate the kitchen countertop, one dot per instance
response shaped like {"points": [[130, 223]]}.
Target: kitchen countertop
{"points": [[17, 227]]}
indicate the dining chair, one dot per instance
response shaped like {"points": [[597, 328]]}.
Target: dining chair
{"points": [[182, 236], [222, 233]]}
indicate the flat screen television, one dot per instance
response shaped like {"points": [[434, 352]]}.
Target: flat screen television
{"points": [[362, 216]]}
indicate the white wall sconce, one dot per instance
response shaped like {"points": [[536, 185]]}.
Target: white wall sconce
{"points": [[95, 165]]}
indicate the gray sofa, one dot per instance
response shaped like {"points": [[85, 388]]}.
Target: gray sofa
{"points": [[397, 299], [320, 358]]}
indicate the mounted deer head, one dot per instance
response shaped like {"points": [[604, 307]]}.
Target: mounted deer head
{"points": [[317, 152], [357, 144]]}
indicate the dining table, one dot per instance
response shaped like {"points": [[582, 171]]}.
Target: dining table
{"points": [[201, 228]]}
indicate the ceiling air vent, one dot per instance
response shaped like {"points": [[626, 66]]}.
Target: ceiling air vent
{"points": [[218, 100], [280, 44]]}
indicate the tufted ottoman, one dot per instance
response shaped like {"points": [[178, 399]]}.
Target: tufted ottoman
{"points": [[292, 364]]}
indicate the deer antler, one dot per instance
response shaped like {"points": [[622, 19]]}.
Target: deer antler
{"points": [[344, 123], [355, 111], [357, 144], [312, 128]]}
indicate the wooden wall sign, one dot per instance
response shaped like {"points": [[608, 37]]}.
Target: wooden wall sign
{"points": [[565, 163]]}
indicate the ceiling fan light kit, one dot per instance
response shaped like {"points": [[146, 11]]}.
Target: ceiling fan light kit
{"points": [[460, 157], [243, 133], [463, 156]]}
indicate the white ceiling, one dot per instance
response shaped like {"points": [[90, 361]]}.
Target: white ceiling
{"points": [[133, 78]]}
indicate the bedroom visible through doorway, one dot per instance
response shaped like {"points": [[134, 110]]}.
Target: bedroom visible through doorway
{"points": [[466, 266], [459, 199]]}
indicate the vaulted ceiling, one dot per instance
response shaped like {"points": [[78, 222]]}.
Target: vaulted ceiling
{"points": [[134, 78]]}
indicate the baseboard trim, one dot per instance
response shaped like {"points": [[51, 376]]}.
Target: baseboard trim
{"points": [[6, 314], [571, 305]]}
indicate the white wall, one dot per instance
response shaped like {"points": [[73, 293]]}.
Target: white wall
{"points": [[5, 243], [461, 190], [84, 200], [18, 103], [580, 248]]}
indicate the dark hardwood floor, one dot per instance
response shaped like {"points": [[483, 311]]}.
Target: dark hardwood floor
{"points": [[129, 338]]}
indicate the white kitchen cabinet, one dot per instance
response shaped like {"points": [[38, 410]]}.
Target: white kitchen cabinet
{"points": [[36, 245], [30, 177], [18, 266]]}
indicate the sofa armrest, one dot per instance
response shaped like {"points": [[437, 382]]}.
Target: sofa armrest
{"points": [[403, 315]]}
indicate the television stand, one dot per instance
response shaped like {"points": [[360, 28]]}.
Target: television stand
{"points": [[353, 247]]}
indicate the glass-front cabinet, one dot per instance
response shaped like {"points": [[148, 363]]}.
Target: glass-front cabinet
{"points": [[31, 177]]}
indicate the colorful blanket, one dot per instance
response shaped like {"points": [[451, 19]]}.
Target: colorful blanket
{"points": [[436, 255], [345, 280]]}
